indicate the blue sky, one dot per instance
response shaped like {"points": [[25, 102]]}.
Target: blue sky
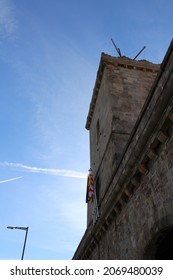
{"points": [[49, 56]]}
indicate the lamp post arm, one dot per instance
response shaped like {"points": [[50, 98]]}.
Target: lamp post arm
{"points": [[24, 245]]}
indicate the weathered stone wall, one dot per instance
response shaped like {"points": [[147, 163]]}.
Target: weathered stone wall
{"points": [[103, 115], [129, 88], [148, 212]]}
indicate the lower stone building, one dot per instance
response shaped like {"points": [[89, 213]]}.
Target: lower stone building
{"points": [[130, 122]]}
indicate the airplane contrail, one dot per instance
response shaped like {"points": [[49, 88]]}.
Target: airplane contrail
{"points": [[9, 180], [48, 171]]}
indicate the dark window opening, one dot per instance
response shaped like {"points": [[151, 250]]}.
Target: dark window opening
{"points": [[98, 131]]}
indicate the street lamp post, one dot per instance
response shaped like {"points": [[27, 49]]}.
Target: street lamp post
{"points": [[26, 234]]}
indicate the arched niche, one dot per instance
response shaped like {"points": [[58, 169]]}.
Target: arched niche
{"points": [[161, 245]]}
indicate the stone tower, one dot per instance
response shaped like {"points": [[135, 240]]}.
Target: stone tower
{"points": [[121, 88], [130, 122]]}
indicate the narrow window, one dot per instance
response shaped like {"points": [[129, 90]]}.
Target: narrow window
{"points": [[98, 130]]}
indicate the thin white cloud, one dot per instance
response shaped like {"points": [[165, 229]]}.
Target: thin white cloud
{"points": [[8, 22], [9, 180], [48, 171]]}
